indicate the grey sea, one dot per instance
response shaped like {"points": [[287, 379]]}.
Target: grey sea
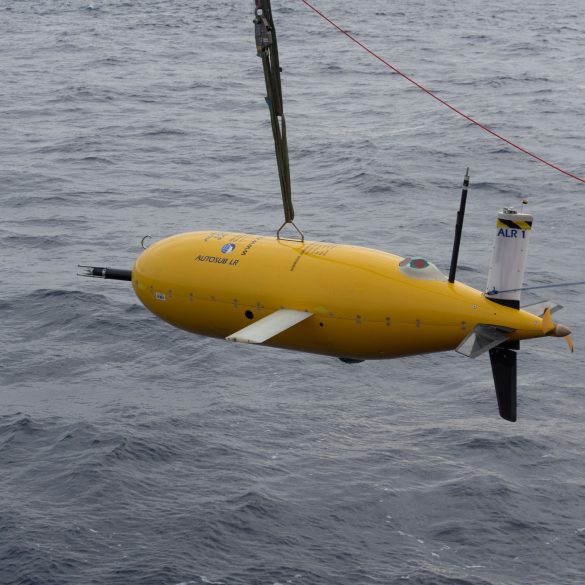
{"points": [[135, 453]]}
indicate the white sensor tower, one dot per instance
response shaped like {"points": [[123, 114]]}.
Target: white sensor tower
{"points": [[506, 273]]}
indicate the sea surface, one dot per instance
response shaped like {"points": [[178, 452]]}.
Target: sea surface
{"points": [[134, 453]]}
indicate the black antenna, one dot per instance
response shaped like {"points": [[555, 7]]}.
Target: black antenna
{"points": [[459, 228], [267, 50]]}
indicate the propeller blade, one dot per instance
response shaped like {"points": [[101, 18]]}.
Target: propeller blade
{"points": [[504, 370], [547, 322], [549, 327]]}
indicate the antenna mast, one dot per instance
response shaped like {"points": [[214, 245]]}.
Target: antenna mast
{"points": [[267, 50], [459, 228]]}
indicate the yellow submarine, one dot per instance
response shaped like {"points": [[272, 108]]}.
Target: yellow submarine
{"points": [[349, 302]]}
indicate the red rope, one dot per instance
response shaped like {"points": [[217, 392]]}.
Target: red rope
{"points": [[442, 101]]}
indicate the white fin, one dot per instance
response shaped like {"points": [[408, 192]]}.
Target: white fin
{"points": [[538, 308], [481, 339], [269, 326]]}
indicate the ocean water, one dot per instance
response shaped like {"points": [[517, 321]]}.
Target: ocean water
{"points": [[134, 453]]}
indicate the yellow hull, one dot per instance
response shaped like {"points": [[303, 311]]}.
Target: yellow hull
{"points": [[364, 306]]}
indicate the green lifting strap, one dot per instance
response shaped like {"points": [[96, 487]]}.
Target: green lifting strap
{"points": [[267, 49]]}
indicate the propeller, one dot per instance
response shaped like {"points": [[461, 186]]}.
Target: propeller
{"points": [[552, 329]]}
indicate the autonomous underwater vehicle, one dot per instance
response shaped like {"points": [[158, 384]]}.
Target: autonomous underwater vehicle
{"points": [[349, 302]]}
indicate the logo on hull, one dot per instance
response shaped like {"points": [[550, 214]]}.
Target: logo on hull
{"points": [[228, 248]]}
